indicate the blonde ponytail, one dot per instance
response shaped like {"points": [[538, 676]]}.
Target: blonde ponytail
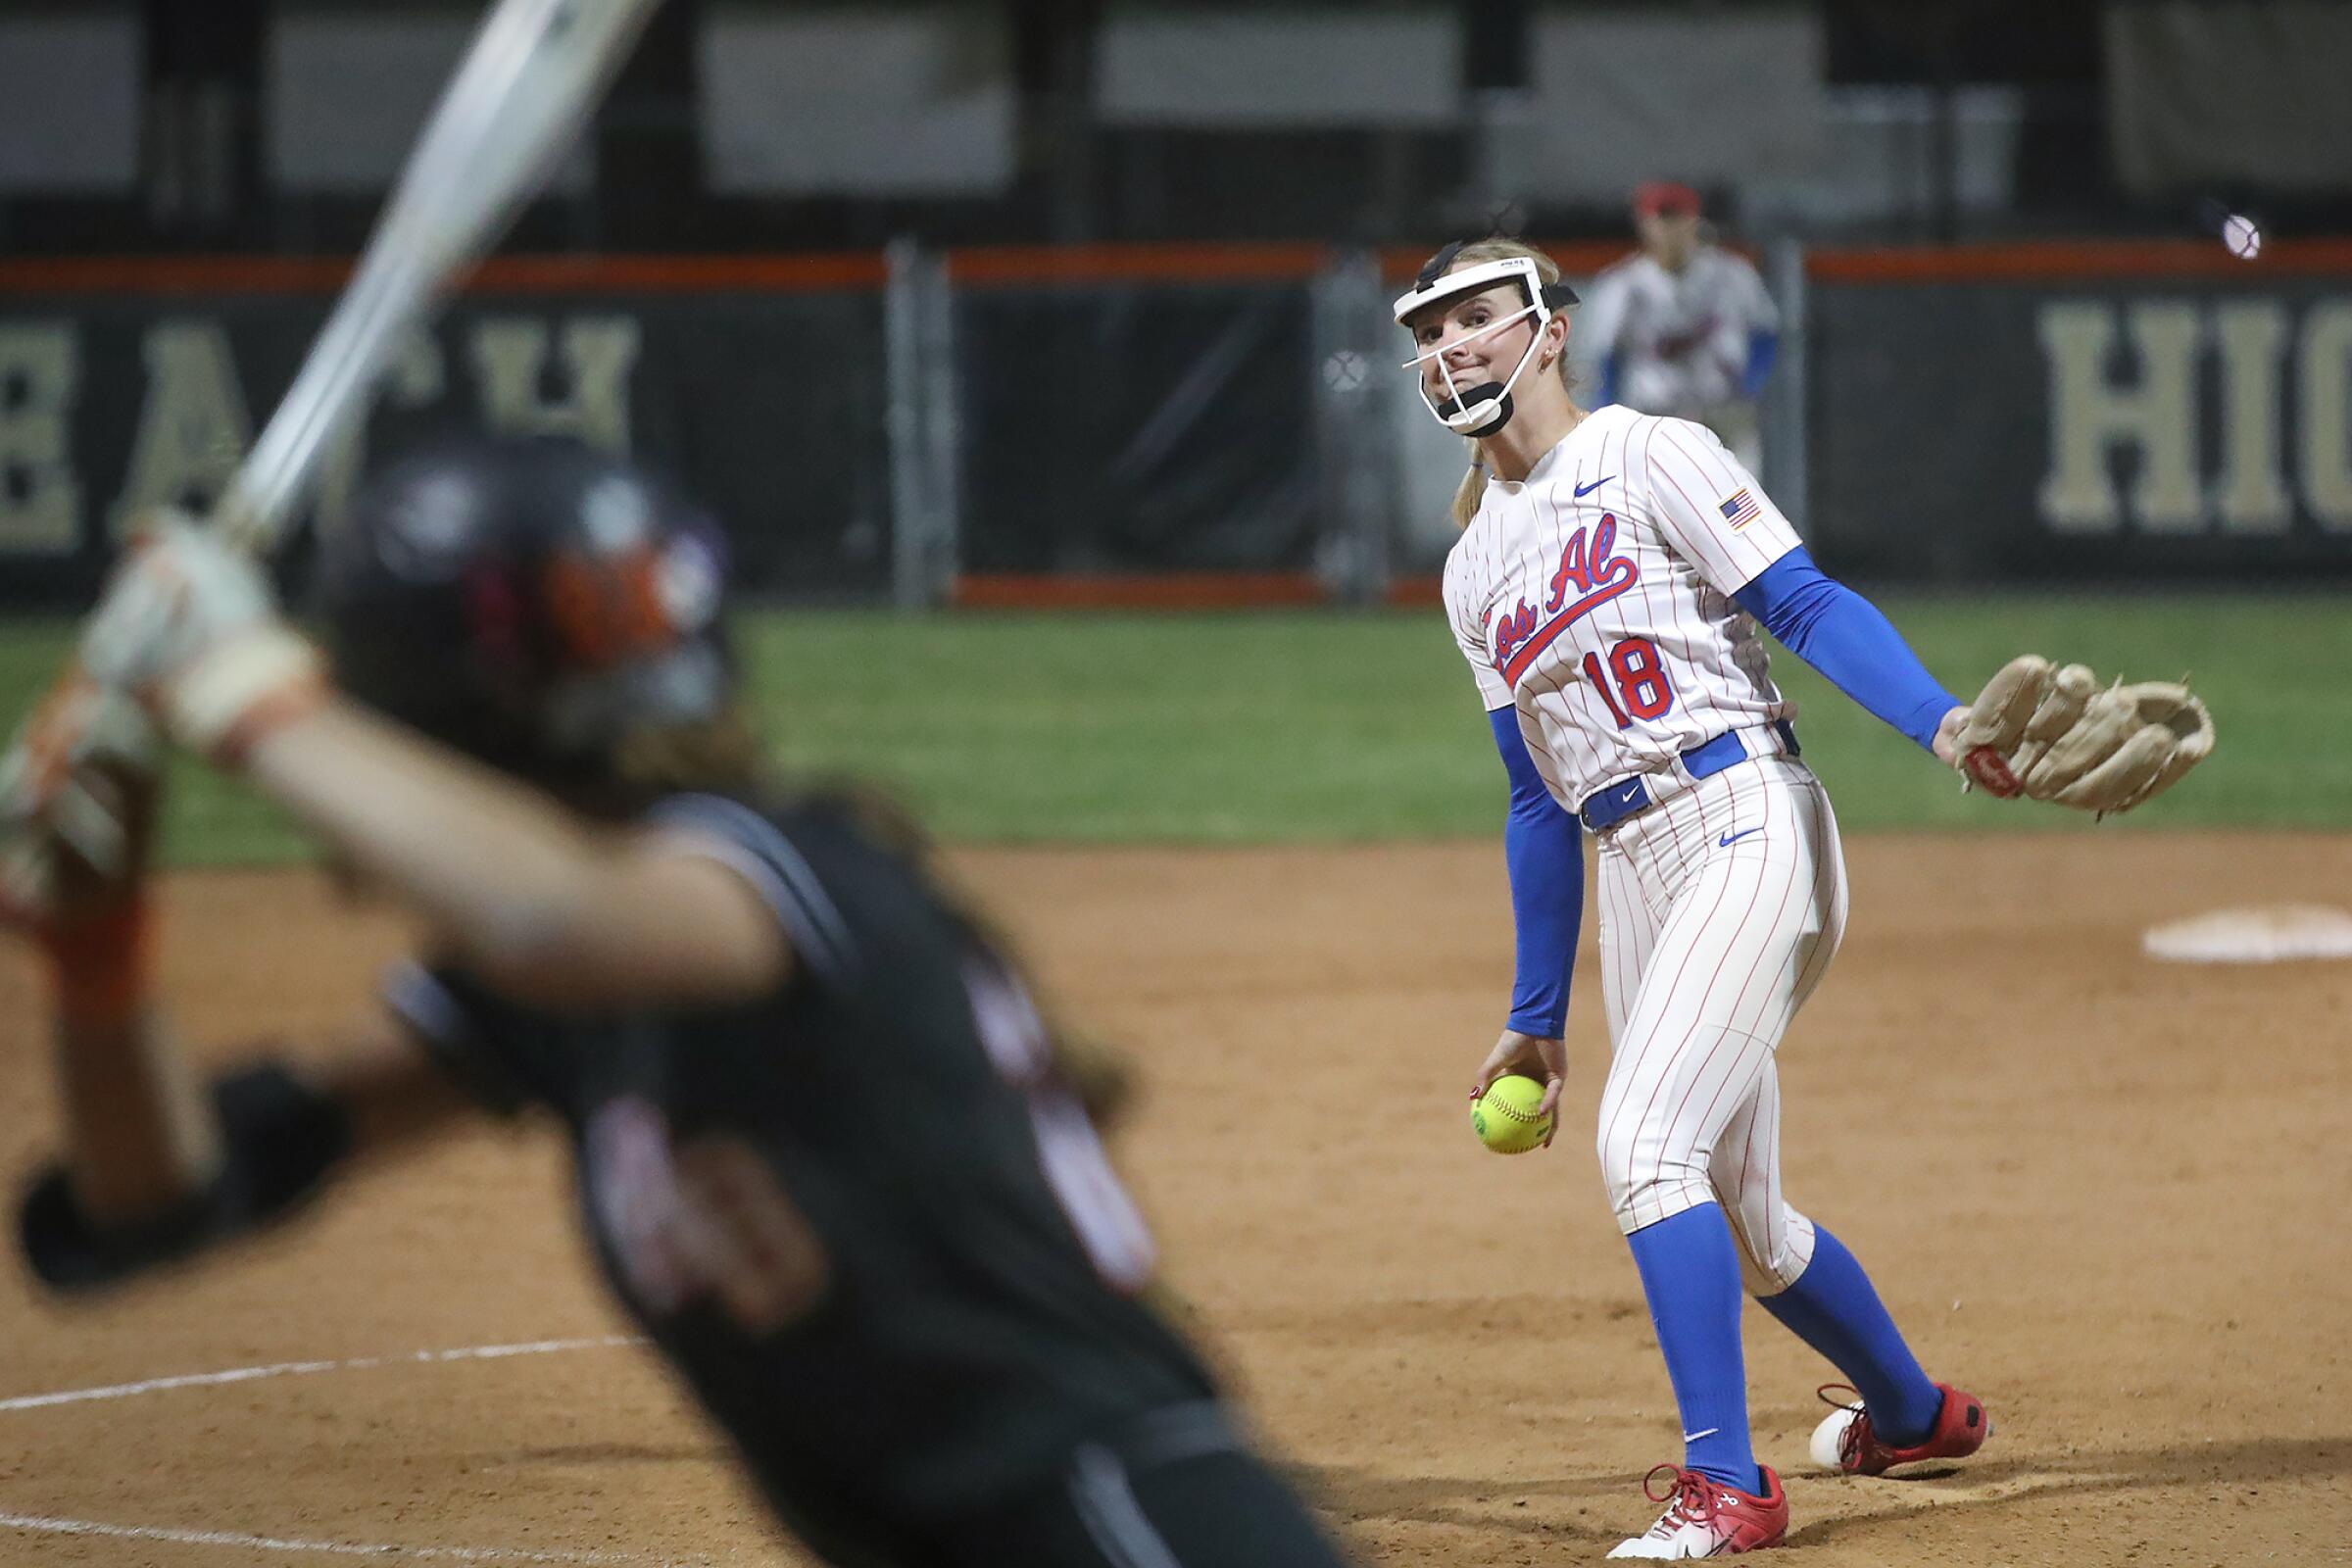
{"points": [[1471, 490], [720, 754]]}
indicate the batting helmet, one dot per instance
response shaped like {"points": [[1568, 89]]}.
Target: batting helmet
{"points": [[529, 603]]}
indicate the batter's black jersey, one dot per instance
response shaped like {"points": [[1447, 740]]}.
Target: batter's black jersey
{"points": [[980, 1318]]}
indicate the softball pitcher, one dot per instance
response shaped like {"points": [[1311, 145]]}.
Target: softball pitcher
{"points": [[922, 1329], [1608, 588]]}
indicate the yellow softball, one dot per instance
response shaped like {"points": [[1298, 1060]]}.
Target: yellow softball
{"points": [[1505, 1118]]}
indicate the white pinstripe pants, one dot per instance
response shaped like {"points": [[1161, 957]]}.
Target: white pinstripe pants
{"points": [[1707, 950]]}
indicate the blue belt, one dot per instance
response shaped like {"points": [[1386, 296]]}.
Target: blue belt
{"points": [[1611, 806]]}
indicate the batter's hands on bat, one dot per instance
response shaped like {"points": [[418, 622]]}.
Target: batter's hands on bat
{"points": [[1538, 1057], [2053, 734], [79, 788], [190, 627]]}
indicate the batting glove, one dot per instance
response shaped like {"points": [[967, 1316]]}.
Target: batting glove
{"points": [[77, 792], [190, 628]]}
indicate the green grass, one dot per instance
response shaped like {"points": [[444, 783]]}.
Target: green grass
{"points": [[1249, 728]]}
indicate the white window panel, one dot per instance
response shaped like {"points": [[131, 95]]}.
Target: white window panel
{"points": [[70, 90], [1265, 68], [1878, 163], [1624, 96], [899, 103], [348, 93]]}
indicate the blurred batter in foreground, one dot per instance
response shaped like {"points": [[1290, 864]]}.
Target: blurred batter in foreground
{"points": [[922, 1328]]}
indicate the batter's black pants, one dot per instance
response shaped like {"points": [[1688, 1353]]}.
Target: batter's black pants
{"points": [[1179, 1490]]}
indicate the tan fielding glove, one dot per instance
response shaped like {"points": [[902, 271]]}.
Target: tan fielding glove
{"points": [[2054, 735]]}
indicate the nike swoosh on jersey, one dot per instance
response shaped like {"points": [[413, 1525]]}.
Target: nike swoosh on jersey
{"points": [[1733, 838], [1584, 490]]}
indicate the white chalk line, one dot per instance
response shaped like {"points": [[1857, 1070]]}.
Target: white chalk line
{"points": [[35, 1523], [295, 1369], [39, 1525]]}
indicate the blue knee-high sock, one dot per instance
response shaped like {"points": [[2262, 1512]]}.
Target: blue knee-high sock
{"points": [[1691, 1277], [1832, 1308]]}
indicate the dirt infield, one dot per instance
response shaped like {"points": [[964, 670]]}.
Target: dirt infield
{"points": [[2107, 1195]]}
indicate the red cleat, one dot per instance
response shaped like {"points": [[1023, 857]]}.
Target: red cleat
{"points": [[1848, 1441], [1704, 1518]]}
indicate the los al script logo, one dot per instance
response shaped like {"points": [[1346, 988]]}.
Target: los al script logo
{"points": [[1587, 565]]}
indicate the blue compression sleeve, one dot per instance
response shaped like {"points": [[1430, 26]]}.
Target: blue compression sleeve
{"points": [[1544, 849], [1841, 634], [1762, 347]]}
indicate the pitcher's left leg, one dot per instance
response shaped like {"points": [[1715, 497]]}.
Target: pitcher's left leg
{"points": [[1804, 1276]]}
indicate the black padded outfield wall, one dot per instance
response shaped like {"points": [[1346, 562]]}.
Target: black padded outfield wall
{"points": [[1138, 427], [769, 407], [2174, 428], [1955, 429], [1133, 427]]}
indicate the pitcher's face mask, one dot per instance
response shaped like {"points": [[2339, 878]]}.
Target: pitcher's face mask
{"points": [[1482, 407]]}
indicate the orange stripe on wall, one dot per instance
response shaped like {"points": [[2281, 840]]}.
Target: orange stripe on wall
{"points": [[175, 275], [522, 274], [1012, 266], [1174, 590], [1400, 263], [1114, 263], [2123, 260], [1416, 592], [684, 274]]}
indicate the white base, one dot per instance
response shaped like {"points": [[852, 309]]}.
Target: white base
{"points": [[2266, 934]]}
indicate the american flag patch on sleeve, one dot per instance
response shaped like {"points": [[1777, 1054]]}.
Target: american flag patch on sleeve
{"points": [[1740, 510]]}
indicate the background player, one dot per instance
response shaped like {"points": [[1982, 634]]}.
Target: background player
{"points": [[1681, 327], [1606, 590], [918, 1321]]}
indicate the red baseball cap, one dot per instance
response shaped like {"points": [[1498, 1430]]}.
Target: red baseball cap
{"points": [[1653, 197]]}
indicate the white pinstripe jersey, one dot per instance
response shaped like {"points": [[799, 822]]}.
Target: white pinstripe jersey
{"points": [[1595, 598], [1681, 338]]}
